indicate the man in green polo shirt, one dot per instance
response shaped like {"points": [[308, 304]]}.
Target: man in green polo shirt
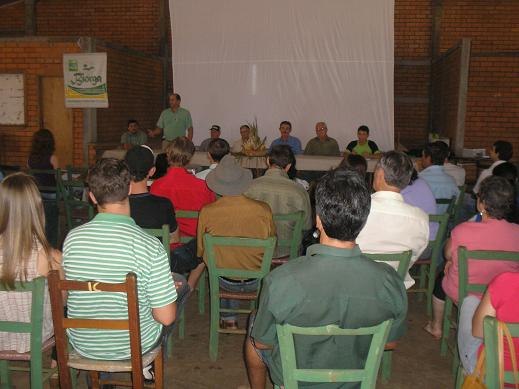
{"points": [[173, 122], [322, 144], [332, 284]]}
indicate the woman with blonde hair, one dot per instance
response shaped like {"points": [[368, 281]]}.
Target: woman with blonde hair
{"points": [[24, 254]]}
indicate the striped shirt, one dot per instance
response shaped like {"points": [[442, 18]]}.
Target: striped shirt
{"points": [[105, 250]]}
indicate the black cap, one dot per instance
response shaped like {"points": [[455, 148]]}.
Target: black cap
{"points": [[140, 160], [215, 127]]}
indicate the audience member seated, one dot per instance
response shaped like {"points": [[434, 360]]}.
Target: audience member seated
{"points": [[214, 132], [442, 185], [332, 284], [509, 171], [322, 144], [355, 162], [106, 249], [455, 171], [150, 211], [499, 301], [187, 193], [394, 226], [42, 157], [234, 215], [281, 193], [419, 194], [237, 145], [500, 152], [24, 255], [285, 128], [495, 201], [133, 136], [218, 148], [363, 146]]}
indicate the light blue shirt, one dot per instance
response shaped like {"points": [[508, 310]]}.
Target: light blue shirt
{"points": [[442, 185], [293, 142], [419, 194]]}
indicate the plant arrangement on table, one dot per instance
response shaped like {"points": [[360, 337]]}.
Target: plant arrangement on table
{"points": [[254, 146]]}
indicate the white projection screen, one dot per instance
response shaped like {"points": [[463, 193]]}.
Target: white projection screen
{"points": [[298, 60]]}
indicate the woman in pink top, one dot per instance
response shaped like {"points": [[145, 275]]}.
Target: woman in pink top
{"points": [[495, 202]]}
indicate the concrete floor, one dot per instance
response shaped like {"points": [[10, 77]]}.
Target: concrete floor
{"points": [[416, 362]]}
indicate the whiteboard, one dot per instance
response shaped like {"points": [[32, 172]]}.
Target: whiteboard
{"points": [[12, 99]]}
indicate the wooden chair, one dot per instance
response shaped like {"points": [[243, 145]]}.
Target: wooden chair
{"points": [[403, 259], [163, 235], [77, 211], [38, 374], [366, 376], [295, 221], [428, 266], [491, 339], [458, 206], [70, 359], [201, 288], [215, 273]]}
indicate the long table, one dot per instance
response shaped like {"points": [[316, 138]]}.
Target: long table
{"points": [[303, 162]]}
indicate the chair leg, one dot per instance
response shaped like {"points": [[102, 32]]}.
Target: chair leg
{"points": [[201, 292], [421, 280], [446, 327], [387, 361], [94, 379], [459, 376], [5, 377], [159, 370], [36, 371], [214, 326], [169, 346], [181, 325], [73, 377]]}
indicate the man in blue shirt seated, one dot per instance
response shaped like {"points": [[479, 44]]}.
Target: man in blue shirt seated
{"points": [[442, 184], [285, 139], [333, 284]]}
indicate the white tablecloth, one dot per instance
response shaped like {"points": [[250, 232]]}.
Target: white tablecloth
{"points": [[303, 162]]}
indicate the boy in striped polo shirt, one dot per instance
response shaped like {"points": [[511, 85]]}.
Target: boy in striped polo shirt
{"points": [[106, 249]]}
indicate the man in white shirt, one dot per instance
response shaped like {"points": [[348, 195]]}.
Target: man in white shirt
{"points": [[217, 149], [394, 226], [501, 152]]}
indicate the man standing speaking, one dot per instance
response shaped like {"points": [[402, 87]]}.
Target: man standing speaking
{"points": [[173, 122]]}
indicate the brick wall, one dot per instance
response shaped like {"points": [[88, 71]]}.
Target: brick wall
{"points": [[493, 90], [412, 70], [132, 23], [12, 18], [134, 91], [34, 58]]}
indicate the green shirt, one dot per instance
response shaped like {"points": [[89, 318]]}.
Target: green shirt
{"points": [[329, 286], [106, 249], [174, 124], [284, 196], [327, 147], [137, 139]]}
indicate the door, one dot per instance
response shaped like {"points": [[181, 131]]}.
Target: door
{"points": [[56, 118]]}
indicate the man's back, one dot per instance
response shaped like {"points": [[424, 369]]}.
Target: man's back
{"points": [[150, 211], [106, 249], [329, 286], [442, 185], [236, 216], [394, 226], [283, 196], [186, 192]]}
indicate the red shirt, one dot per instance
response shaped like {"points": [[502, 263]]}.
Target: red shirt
{"points": [[186, 192], [504, 296]]}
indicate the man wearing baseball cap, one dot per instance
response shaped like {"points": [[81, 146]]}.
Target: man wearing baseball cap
{"points": [[215, 132]]}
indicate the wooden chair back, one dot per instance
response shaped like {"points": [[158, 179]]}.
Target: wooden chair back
{"points": [[464, 255], [62, 323], [162, 233], [492, 338], [183, 214], [366, 376], [34, 328], [402, 258]]}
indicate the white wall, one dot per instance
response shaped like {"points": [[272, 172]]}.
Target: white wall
{"points": [[299, 60]]}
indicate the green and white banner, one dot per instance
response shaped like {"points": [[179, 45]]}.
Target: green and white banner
{"points": [[85, 80]]}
